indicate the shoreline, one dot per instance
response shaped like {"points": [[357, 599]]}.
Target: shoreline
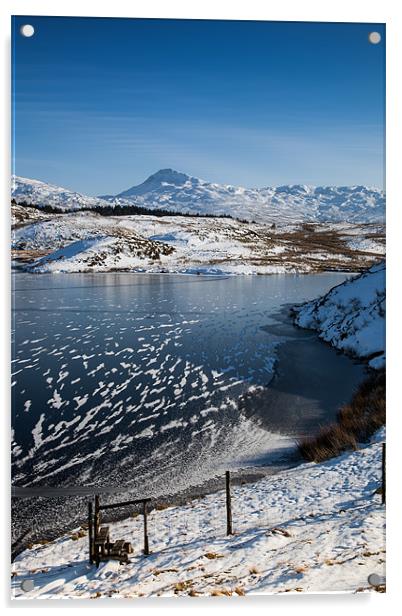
{"points": [[22, 265]]}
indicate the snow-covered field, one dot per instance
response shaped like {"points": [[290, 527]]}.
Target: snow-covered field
{"points": [[316, 528], [85, 241], [351, 316]]}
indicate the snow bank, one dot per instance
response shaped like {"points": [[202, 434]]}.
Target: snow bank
{"points": [[351, 316], [315, 528]]}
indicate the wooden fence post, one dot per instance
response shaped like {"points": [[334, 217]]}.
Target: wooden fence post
{"points": [[144, 511], [229, 528], [96, 529], [90, 535], [383, 474]]}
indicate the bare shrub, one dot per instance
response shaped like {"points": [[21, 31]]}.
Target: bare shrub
{"points": [[356, 422]]}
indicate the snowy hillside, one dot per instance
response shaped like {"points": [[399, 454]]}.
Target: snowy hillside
{"points": [[21, 215], [352, 316], [102, 253], [316, 528], [190, 245], [85, 242], [41, 194], [170, 190]]}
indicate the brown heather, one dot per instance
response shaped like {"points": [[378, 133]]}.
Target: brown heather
{"points": [[356, 422]]}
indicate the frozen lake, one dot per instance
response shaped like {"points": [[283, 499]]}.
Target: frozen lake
{"points": [[139, 380]]}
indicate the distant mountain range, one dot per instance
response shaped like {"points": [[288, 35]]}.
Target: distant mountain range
{"points": [[177, 192]]}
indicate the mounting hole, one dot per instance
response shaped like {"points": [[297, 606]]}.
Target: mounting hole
{"points": [[376, 580], [27, 585], [374, 38], [27, 30]]}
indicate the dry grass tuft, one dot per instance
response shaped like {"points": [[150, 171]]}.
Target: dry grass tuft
{"points": [[180, 586], [213, 555], [301, 569], [161, 506], [356, 422], [221, 592], [240, 591], [78, 535]]}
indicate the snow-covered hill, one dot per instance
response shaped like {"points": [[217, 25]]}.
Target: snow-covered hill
{"points": [[352, 316], [87, 242], [42, 194], [188, 245], [103, 253], [170, 190], [315, 528]]}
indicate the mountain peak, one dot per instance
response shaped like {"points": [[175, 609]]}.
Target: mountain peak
{"points": [[168, 175], [156, 181]]}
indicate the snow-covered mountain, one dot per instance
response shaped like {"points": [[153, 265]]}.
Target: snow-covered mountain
{"points": [[170, 190]]}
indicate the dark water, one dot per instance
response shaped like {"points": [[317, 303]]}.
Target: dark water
{"points": [[157, 382]]}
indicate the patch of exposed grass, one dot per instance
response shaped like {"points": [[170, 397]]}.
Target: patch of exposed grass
{"points": [[213, 555], [181, 586], [253, 570], [356, 422], [221, 592]]}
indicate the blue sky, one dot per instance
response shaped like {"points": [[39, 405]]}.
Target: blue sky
{"points": [[100, 104]]}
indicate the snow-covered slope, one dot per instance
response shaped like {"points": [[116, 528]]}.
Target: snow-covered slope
{"points": [[170, 190], [22, 216], [189, 245], [315, 528], [42, 194], [87, 242], [352, 316], [102, 253]]}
